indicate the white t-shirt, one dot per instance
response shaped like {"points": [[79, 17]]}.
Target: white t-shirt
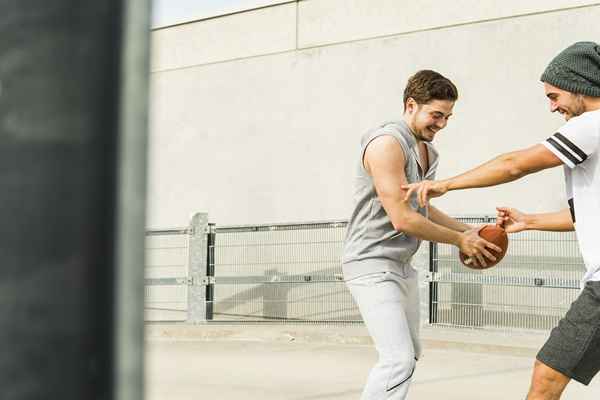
{"points": [[577, 144]]}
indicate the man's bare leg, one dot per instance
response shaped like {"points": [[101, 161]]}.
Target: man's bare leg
{"points": [[546, 383]]}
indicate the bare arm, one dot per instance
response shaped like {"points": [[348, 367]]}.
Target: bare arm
{"points": [[443, 219], [506, 168], [516, 221], [502, 169], [384, 160]]}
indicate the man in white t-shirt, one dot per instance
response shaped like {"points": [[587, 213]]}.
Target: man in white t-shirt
{"points": [[572, 85]]}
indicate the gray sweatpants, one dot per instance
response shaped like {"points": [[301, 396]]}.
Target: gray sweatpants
{"points": [[389, 305]]}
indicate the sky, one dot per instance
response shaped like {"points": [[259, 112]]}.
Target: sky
{"points": [[170, 12]]}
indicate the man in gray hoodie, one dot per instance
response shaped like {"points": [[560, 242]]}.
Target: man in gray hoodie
{"points": [[385, 230]]}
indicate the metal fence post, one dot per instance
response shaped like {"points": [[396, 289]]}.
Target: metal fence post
{"points": [[197, 278], [131, 203], [72, 175], [433, 285], [210, 270]]}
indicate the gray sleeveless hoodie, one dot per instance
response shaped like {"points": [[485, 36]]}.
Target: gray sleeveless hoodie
{"points": [[372, 244]]}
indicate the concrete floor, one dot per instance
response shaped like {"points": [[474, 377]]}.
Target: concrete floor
{"points": [[276, 367]]}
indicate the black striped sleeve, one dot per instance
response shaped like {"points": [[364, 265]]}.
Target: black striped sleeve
{"points": [[571, 146], [566, 150], [561, 150]]}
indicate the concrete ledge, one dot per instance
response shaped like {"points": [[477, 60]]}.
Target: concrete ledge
{"points": [[351, 334], [337, 21], [263, 31], [477, 341]]}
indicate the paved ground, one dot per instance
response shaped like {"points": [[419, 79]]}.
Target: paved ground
{"points": [[275, 364]]}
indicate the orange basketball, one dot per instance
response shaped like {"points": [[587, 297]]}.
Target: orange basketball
{"points": [[494, 234]]}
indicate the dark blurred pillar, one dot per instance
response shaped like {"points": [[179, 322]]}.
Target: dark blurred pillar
{"points": [[73, 92]]}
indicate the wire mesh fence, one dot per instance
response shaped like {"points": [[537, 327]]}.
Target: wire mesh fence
{"points": [[292, 273], [284, 272], [531, 288], [166, 273]]}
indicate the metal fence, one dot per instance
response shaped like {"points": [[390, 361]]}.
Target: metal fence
{"points": [[166, 272], [531, 288], [283, 272], [292, 273]]}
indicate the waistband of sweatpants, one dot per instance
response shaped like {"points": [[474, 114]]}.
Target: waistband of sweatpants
{"points": [[356, 269]]}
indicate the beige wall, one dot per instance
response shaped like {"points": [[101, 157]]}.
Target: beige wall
{"points": [[256, 116]]}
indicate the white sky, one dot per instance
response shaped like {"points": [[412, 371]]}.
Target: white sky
{"points": [[170, 12]]}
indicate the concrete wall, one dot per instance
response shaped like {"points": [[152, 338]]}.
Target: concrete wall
{"points": [[256, 116]]}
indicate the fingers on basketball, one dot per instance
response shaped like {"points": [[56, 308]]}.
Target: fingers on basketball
{"points": [[496, 240]]}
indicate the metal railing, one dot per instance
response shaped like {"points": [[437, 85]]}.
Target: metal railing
{"points": [[292, 273], [282, 272], [166, 273], [531, 288]]}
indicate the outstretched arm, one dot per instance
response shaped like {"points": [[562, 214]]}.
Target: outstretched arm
{"points": [[506, 168], [514, 220], [502, 169]]}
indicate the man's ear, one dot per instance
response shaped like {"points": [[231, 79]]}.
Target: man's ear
{"points": [[411, 105]]}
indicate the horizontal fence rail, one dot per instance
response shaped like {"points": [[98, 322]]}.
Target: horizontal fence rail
{"points": [[292, 273]]}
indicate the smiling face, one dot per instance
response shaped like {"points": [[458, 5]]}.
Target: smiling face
{"points": [[425, 120], [428, 101], [566, 103]]}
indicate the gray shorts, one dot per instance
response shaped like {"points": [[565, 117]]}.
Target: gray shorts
{"points": [[573, 347]]}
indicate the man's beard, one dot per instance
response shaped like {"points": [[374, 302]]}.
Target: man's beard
{"points": [[423, 138], [578, 106]]}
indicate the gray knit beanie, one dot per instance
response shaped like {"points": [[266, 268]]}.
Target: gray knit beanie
{"points": [[576, 69]]}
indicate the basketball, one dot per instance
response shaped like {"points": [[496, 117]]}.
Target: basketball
{"points": [[494, 234]]}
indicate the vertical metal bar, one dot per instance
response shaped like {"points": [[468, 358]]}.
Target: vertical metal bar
{"points": [[210, 271], [72, 159], [197, 274], [131, 202], [433, 285]]}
